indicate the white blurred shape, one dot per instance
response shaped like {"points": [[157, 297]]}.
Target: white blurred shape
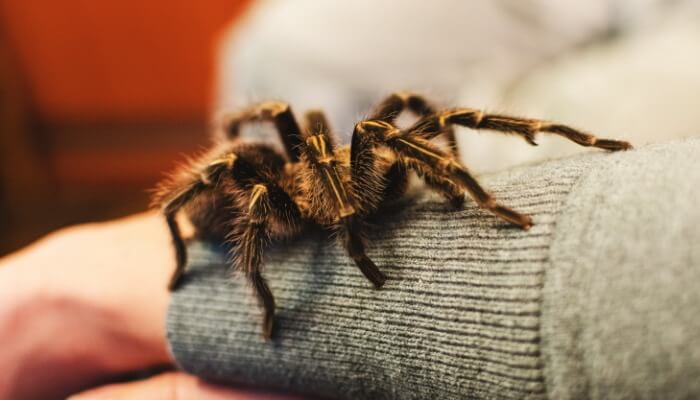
{"points": [[539, 58]]}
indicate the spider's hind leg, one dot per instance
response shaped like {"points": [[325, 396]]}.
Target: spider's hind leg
{"points": [[527, 128], [393, 105], [279, 113], [441, 168], [396, 103], [448, 189]]}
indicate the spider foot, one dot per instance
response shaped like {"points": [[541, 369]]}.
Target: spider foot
{"points": [[268, 325], [612, 145], [176, 279], [512, 216], [370, 271]]}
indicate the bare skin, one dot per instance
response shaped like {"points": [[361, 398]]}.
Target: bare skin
{"points": [[86, 304]]}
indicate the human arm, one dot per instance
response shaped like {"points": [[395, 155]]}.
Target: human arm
{"points": [[86, 305], [91, 297], [598, 298]]}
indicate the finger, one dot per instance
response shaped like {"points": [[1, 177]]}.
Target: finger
{"points": [[171, 386]]}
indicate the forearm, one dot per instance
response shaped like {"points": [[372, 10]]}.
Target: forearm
{"points": [[472, 307]]}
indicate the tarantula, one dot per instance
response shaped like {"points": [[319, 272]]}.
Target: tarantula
{"points": [[250, 194]]}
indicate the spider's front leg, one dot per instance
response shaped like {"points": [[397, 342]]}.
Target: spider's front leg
{"points": [[316, 123], [248, 252], [440, 168], [343, 206], [265, 212], [172, 195], [354, 244]]}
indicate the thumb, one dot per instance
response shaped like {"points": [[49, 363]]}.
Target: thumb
{"points": [[171, 386]]}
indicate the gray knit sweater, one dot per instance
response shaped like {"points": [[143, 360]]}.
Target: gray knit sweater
{"points": [[600, 299]]}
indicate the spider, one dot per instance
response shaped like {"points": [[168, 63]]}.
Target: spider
{"points": [[250, 194]]}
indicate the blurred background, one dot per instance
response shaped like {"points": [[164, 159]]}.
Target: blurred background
{"points": [[98, 99]]}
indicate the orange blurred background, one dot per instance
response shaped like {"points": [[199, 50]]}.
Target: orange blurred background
{"points": [[97, 99]]}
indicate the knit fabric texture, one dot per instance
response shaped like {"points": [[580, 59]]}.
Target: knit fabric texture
{"points": [[599, 299]]}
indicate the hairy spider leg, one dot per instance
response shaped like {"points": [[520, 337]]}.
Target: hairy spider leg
{"points": [[316, 123], [438, 182], [249, 252], [322, 157], [280, 114], [432, 125], [388, 110], [393, 105], [354, 245], [366, 137], [420, 152], [175, 200], [268, 213]]}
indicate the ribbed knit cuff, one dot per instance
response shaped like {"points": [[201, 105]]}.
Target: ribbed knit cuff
{"points": [[459, 316]]}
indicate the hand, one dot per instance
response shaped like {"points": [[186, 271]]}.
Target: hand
{"points": [[86, 304], [82, 305]]}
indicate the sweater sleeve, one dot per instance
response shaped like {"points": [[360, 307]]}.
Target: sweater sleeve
{"points": [[598, 298]]}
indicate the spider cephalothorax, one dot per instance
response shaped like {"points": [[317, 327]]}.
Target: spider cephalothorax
{"points": [[250, 195]]}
